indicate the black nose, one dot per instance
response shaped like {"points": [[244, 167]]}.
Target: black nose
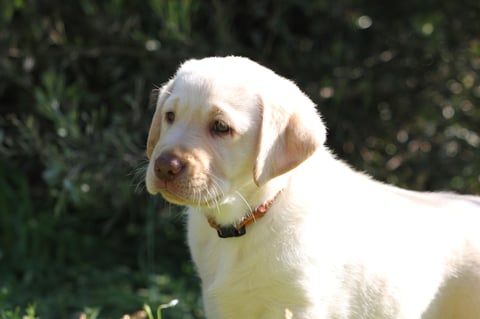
{"points": [[167, 167]]}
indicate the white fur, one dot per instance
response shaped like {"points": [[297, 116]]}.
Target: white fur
{"points": [[335, 244]]}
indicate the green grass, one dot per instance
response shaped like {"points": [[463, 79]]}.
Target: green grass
{"points": [[149, 313], [89, 313], [17, 313]]}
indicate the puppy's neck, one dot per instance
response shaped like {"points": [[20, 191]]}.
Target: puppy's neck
{"points": [[242, 203]]}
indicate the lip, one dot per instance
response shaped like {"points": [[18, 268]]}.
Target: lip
{"points": [[179, 199], [173, 197], [183, 197], [154, 185]]}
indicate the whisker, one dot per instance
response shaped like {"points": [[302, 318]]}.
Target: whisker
{"points": [[198, 194], [218, 192], [211, 195], [138, 176], [217, 189], [215, 200], [244, 200], [207, 192]]}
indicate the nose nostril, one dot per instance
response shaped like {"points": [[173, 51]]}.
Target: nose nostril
{"points": [[167, 167], [175, 166]]}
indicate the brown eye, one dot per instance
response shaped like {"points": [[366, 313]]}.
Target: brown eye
{"points": [[220, 127], [170, 117]]}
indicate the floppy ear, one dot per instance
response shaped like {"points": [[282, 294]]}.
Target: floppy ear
{"points": [[155, 126], [288, 135]]}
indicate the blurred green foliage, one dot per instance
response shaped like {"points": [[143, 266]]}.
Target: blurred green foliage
{"points": [[397, 83]]}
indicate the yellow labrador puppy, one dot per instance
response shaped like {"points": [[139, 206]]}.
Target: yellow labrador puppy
{"points": [[278, 227]]}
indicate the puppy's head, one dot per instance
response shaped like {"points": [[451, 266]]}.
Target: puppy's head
{"points": [[222, 124]]}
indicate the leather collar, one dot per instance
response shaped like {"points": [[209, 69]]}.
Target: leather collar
{"points": [[239, 229]]}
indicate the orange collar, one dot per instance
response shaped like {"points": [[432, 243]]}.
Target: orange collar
{"points": [[237, 230]]}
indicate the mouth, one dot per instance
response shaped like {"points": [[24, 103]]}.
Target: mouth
{"points": [[194, 198], [191, 190]]}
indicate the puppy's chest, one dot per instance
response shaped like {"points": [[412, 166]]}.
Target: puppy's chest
{"points": [[251, 285], [249, 270], [240, 263]]}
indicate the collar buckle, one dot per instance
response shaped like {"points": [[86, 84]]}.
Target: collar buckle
{"points": [[231, 231]]}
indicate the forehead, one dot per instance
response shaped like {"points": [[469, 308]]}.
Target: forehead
{"points": [[211, 94]]}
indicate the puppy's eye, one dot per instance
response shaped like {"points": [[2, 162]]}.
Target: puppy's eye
{"points": [[220, 127], [169, 117]]}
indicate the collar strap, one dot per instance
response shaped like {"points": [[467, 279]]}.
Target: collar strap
{"points": [[237, 230]]}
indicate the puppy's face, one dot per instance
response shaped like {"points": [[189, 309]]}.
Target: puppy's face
{"points": [[225, 124], [204, 141]]}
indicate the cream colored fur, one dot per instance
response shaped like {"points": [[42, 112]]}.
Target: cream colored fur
{"points": [[335, 244]]}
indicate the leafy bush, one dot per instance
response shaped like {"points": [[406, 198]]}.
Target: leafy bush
{"points": [[398, 86]]}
